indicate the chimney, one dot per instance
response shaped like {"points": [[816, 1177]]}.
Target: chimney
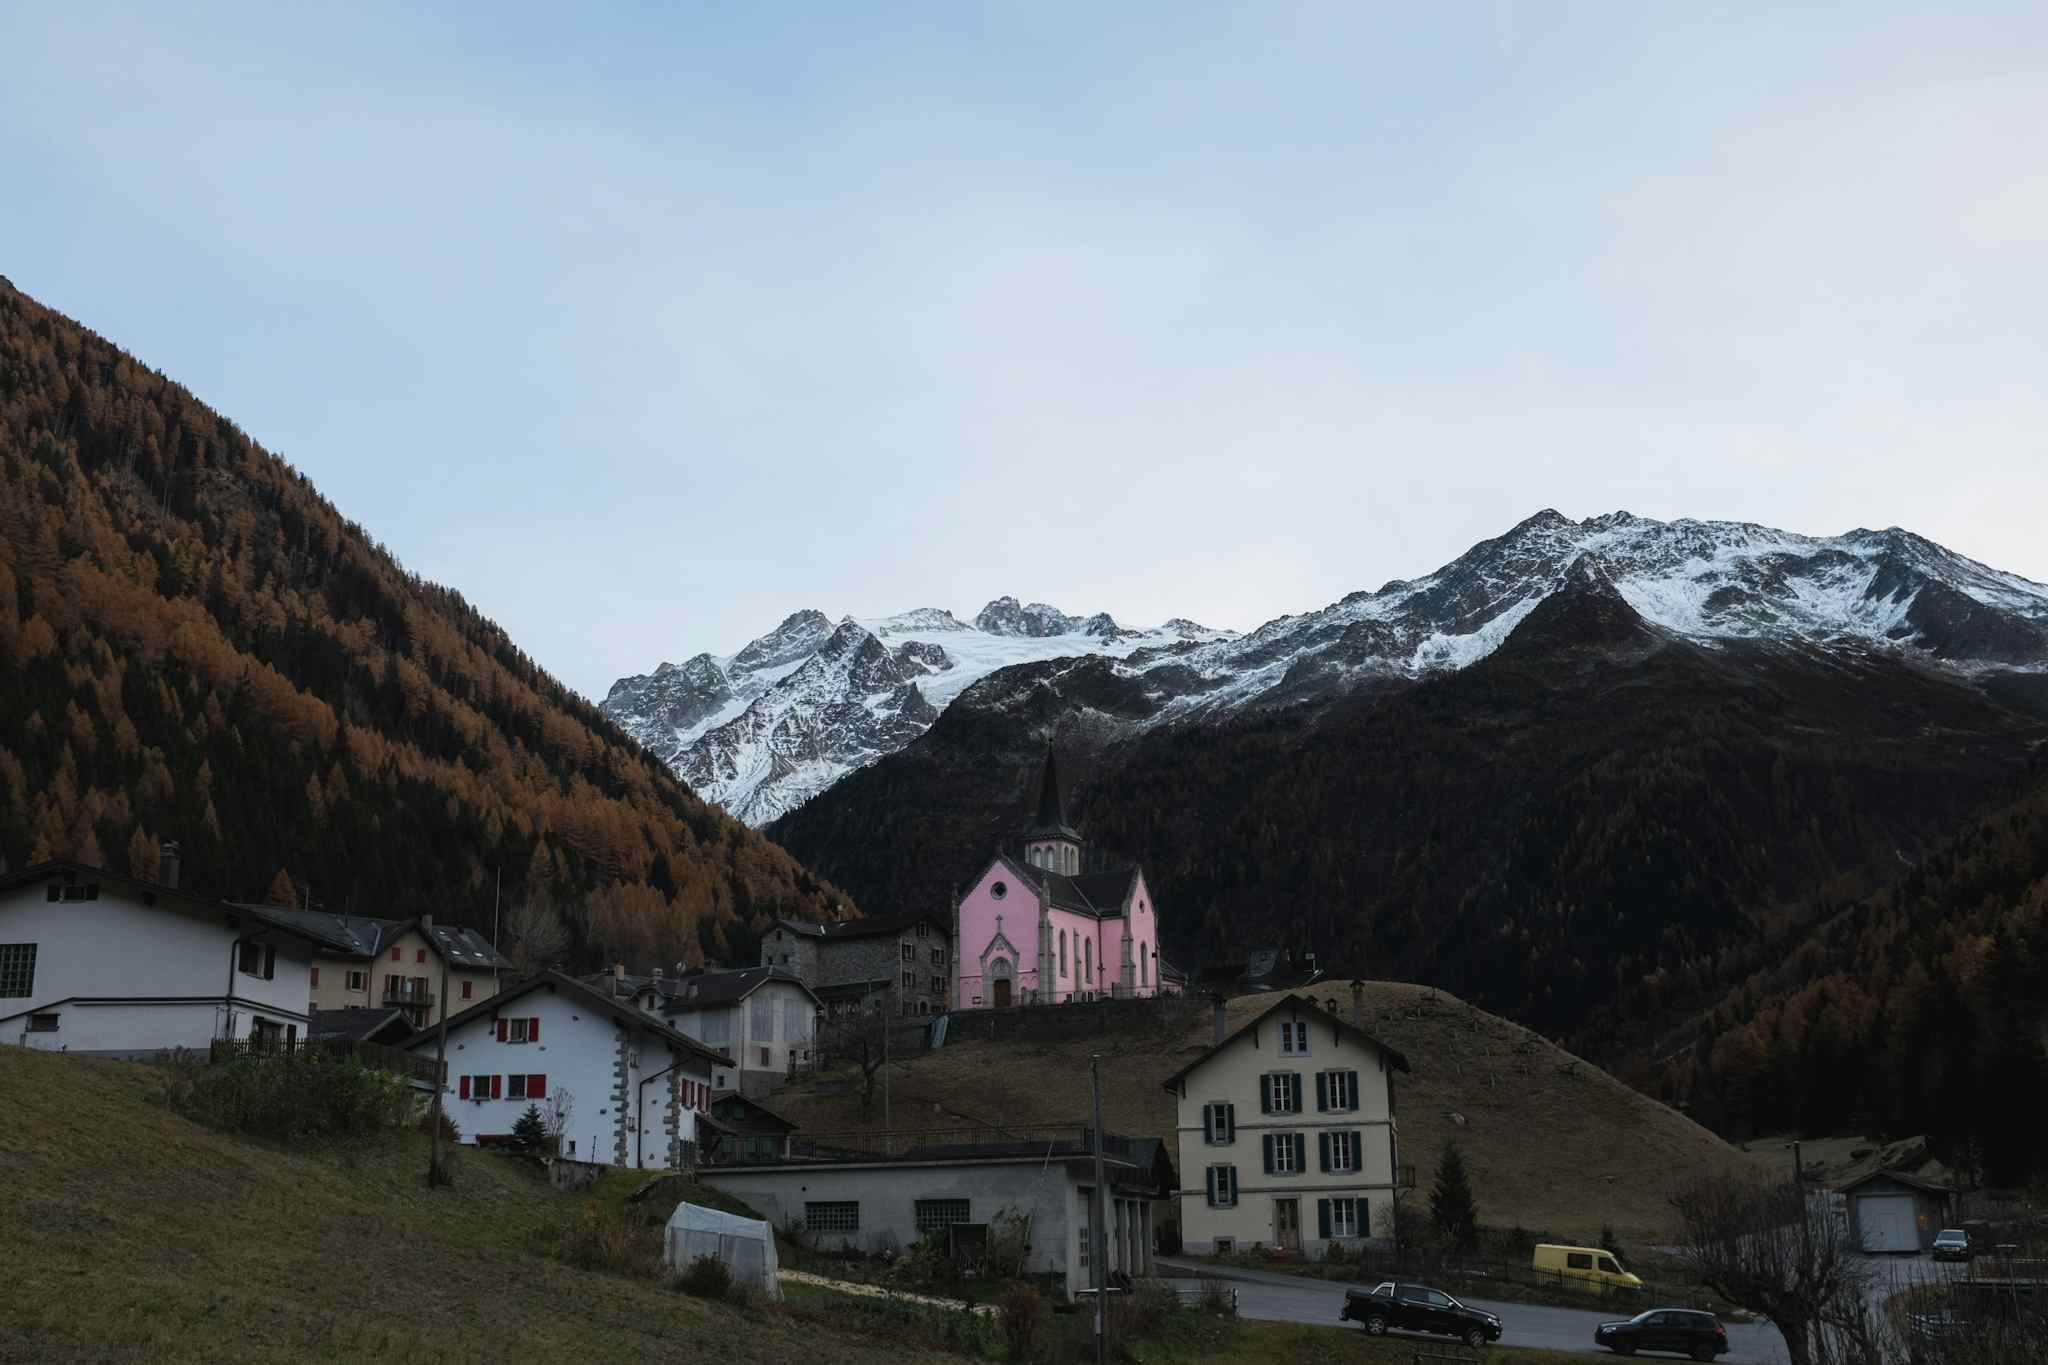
{"points": [[1358, 1005], [618, 971], [657, 973], [167, 864], [1218, 998]]}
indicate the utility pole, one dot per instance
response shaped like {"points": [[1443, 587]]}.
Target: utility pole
{"points": [[1098, 1242], [497, 895], [891, 990], [437, 1172]]}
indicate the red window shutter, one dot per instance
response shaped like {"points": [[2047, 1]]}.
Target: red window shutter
{"points": [[419, 955], [464, 1090], [504, 1025], [316, 978], [465, 989], [537, 1086], [533, 1029], [395, 953], [497, 1087]]}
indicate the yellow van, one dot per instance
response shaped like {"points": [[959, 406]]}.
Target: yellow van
{"points": [[1593, 1268]]}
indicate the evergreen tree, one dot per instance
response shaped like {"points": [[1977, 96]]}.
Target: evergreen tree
{"points": [[282, 892], [529, 1130], [1450, 1200]]}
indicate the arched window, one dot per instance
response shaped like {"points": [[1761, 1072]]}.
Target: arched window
{"points": [[1063, 952], [1088, 959], [1144, 977]]}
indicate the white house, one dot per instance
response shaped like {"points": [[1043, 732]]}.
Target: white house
{"points": [[96, 962], [1288, 1124], [764, 1018], [626, 1087]]}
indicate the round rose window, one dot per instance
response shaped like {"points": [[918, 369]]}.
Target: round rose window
{"points": [[999, 890]]}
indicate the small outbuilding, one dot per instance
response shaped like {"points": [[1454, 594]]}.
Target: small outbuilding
{"points": [[745, 1245], [1894, 1211]]}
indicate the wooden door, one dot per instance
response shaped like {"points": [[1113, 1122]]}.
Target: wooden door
{"points": [[1002, 994], [1287, 1223]]}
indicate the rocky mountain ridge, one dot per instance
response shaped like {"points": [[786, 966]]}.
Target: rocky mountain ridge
{"points": [[1706, 581], [788, 714]]}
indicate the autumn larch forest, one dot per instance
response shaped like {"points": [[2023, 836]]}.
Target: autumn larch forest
{"points": [[196, 646]]}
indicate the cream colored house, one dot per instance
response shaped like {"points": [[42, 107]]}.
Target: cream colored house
{"points": [[1287, 1134], [397, 964]]}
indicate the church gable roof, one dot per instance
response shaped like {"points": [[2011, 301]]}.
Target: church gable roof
{"points": [[1101, 894]]}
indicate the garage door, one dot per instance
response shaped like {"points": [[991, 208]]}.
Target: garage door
{"points": [[1887, 1222]]}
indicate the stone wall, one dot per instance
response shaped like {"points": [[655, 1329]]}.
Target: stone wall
{"points": [[1165, 1015]]}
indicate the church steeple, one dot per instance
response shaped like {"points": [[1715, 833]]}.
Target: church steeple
{"points": [[1049, 841]]}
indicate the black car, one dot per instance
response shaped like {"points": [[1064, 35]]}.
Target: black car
{"points": [[1683, 1330], [1418, 1308]]}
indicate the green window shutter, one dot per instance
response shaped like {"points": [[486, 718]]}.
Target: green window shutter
{"points": [[1357, 1096], [1208, 1127], [1300, 1151], [1266, 1094], [1230, 1123], [1358, 1145], [1294, 1086], [1266, 1145], [1323, 1146], [1322, 1092], [1212, 1186], [1323, 1218]]}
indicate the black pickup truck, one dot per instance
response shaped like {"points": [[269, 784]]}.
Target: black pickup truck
{"points": [[1418, 1308]]}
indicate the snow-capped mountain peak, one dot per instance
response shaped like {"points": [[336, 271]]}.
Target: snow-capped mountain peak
{"points": [[792, 711], [764, 729]]}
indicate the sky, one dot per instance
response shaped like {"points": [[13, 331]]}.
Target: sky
{"points": [[644, 326]]}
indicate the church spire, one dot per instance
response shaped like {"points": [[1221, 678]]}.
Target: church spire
{"points": [[1050, 841]]}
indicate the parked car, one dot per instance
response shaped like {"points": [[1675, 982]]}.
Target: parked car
{"points": [[1418, 1308], [1952, 1244], [1684, 1330], [1593, 1267]]}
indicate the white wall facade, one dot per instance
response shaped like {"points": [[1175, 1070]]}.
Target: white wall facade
{"points": [[1051, 1195], [613, 1117], [127, 978], [1234, 1076], [737, 1031]]}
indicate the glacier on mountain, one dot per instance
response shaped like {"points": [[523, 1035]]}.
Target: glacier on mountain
{"points": [[766, 728]]}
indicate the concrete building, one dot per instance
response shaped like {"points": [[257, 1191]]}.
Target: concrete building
{"points": [[874, 1202], [1288, 1124], [624, 1088], [1892, 1211], [96, 962], [905, 960]]}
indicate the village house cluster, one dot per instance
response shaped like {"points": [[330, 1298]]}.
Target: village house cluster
{"points": [[1285, 1136]]}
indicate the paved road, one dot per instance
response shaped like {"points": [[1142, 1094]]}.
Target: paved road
{"points": [[1274, 1297]]}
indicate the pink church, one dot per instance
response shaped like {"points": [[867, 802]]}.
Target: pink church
{"points": [[1043, 931]]}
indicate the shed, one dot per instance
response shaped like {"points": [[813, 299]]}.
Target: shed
{"points": [[1894, 1211], [746, 1245]]}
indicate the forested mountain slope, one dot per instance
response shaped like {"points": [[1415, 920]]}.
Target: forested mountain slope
{"points": [[194, 645], [1589, 830], [1917, 1010]]}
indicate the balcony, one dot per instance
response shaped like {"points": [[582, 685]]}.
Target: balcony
{"points": [[401, 994]]}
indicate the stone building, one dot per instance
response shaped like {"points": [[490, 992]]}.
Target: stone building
{"points": [[905, 960]]}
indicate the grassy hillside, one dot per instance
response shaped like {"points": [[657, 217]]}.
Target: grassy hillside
{"points": [[1553, 1142], [195, 645], [134, 1234]]}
